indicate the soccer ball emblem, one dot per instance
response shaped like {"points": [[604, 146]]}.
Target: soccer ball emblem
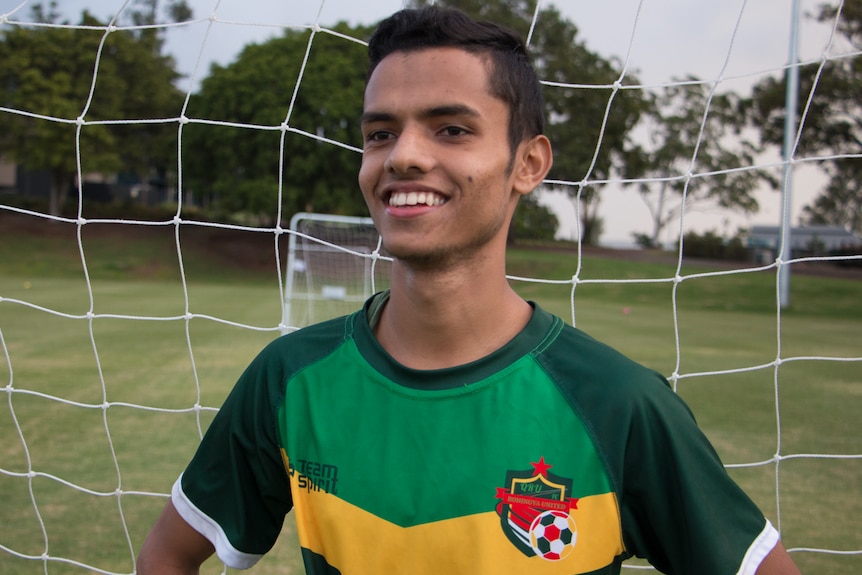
{"points": [[553, 535]]}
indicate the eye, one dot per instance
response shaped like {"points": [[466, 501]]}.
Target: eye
{"points": [[378, 136], [454, 131]]}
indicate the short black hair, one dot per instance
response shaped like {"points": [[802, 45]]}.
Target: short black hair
{"points": [[511, 75]]}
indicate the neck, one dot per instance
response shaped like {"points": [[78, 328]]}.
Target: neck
{"points": [[438, 319]]}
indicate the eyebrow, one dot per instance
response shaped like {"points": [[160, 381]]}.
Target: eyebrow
{"points": [[430, 113]]}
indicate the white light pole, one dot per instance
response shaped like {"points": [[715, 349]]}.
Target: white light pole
{"points": [[791, 105]]}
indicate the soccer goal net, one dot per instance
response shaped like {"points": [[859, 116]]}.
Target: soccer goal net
{"points": [[123, 329], [333, 265]]}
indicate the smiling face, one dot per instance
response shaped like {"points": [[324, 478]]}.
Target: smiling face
{"points": [[437, 169]]}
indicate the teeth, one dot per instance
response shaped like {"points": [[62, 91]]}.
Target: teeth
{"points": [[414, 199]]}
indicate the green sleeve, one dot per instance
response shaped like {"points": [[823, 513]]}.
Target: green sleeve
{"points": [[236, 489], [681, 511]]}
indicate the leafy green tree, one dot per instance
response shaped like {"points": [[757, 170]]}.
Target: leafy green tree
{"points": [[150, 149], [577, 123], [45, 85], [683, 119], [146, 12], [832, 122], [840, 202], [532, 221], [234, 161]]}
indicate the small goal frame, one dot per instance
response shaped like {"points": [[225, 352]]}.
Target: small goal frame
{"points": [[316, 234]]}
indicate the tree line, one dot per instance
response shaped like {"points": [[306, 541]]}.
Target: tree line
{"points": [[274, 123]]}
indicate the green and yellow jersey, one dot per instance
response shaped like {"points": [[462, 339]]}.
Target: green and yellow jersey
{"points": [[553, 455]]}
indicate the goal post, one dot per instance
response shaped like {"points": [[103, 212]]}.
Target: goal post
{"points": [[333, 265]]}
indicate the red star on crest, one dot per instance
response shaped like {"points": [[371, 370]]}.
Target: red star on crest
{"points": [[540, 467]]}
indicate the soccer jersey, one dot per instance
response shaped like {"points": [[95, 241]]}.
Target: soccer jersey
{"points": [[553, 455]]}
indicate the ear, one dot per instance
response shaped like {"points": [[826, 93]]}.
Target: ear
{"points": [[533, 161]]}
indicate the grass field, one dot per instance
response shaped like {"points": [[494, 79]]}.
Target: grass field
{"points": [[106, 405]]}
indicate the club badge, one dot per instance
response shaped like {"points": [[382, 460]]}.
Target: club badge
{"points": [[535, 512]]}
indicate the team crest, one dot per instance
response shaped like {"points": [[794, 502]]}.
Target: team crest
{"points": [[535, 512]]}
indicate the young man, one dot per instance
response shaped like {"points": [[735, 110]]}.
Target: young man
{"points": [[450, 426]]}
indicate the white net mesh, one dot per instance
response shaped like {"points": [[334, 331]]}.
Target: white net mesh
{"points": [[111, 381]]}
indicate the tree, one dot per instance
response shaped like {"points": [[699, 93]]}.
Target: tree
{"points": [[236, 167], [532, 221], [840, 203], [832, 123], [150, 150], [146, 12], [48, 71], [575, 117], [682, 120]]}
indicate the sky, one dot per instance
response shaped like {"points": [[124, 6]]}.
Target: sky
{"points": [[737, 41]]}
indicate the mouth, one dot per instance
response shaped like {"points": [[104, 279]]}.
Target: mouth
{"points": [[399, 199]]}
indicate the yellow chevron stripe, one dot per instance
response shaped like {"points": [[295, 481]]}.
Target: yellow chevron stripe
{"points": [[359, 543]]}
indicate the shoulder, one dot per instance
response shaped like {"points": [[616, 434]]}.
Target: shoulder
{"points": [[583, 365], [289, 354], [618, 399], [309, 344]]}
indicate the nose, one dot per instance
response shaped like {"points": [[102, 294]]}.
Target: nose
{"points": [[411, 152]]}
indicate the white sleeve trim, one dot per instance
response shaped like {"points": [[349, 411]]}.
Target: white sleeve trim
{"points": [[206, 526], [760, 548]]}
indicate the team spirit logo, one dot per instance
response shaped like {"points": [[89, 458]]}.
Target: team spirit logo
{"points": [[535, 512]]}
